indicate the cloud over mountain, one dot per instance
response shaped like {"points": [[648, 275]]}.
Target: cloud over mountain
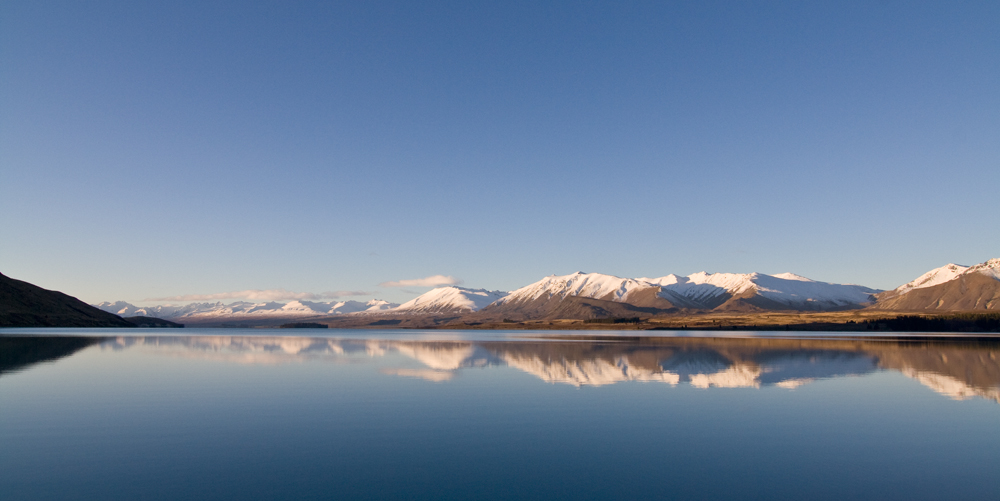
{"points": [[431, 281]]}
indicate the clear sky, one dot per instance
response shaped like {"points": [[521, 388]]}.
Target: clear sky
{"points": [[163, 149]]}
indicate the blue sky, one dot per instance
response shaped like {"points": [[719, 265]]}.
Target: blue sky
{"points": [[206, 147]]}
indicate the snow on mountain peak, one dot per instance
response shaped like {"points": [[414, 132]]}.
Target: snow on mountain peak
{"points": [[707, 289], [666, 280], [990, 268], [592, 285], [792, 276], [797, 291], [120, 308], [934, 277], [297, 308], [734, 283], [450, 298], [699, 290], [702, 287], [376, 305]]}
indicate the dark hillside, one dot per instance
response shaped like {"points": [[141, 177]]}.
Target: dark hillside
{"points": [[26, 305]]}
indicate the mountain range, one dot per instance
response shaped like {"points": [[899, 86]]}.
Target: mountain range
{"points": [[593, 295], [245, 309]]}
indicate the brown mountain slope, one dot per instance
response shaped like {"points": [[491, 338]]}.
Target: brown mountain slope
{"points": [[26, 305], [968, 292], [752, 302], [641, 303], [585, 308]]}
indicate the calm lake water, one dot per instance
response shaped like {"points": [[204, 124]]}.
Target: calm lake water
{"points": [[320, 414]]}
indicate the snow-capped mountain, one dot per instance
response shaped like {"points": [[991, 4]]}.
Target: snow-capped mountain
{"points": [[244, 309], [950, 287], [990, 269], [373, 306], [578, 295], [780, 291], [701, 291], [934, 277], [450, 300], [123, 309], [595, 295], [591, 285]]}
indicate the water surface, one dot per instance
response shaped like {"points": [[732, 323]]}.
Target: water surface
{"points": [[237, 414]]}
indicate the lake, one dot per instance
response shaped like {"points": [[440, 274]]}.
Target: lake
{"points": [[320, 414]]}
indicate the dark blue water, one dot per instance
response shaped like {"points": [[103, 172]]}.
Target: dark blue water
{"points": [[381, 415]]}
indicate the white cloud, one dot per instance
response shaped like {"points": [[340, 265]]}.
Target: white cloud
{"points": [[432, 281], [263, 295], [336, 294]]}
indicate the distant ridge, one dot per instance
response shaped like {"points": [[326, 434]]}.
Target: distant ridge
{"points": [[575, 296], [591, 296], [206, 313], [26, 305]]}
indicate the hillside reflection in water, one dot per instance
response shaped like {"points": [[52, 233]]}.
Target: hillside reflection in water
{"points": [[957, 370], [409, 415]]}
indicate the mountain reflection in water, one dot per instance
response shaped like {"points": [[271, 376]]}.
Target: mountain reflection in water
{"points": [[408, 415], [958, 370]]}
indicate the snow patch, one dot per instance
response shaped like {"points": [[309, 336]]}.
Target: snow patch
{"points": [[450, 299], [990, 268], [792, 276]]}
